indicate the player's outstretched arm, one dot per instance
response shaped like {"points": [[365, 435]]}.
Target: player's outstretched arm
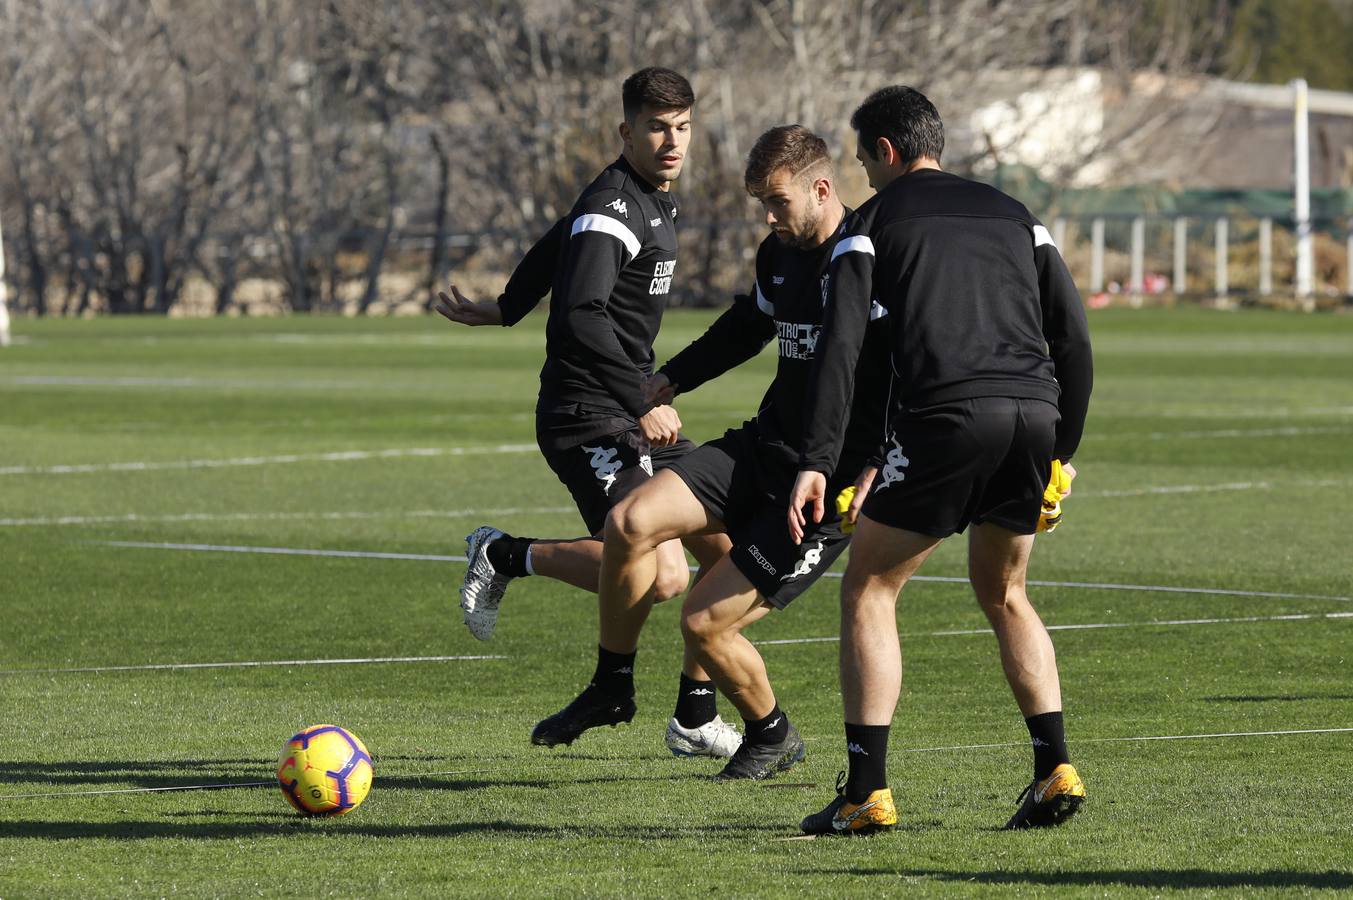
{"points": [[461, 309], [529, 284]]}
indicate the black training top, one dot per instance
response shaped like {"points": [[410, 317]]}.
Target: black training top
{"points": [[786, 303], [617, 253], [534, 275], [979, 304]]}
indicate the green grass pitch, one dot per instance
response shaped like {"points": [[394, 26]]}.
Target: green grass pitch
{"points": [[1218, 459]]}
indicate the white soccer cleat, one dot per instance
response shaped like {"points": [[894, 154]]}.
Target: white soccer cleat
{"points": [[484, 586], [716, 739]]}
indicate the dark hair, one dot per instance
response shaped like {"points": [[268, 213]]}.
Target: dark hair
{"points": [[905, 117], [791, 147], [657, 88]]}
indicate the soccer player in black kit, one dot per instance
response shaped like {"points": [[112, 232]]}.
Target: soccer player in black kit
{"points": [[609, 264], [739, 483], [991, 374]]}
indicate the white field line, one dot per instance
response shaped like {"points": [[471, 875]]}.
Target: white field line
{"points": [[1214, 488], [425, 557], [283, 551], [248, 664], [1286, 431], [337, 456], [1155, 737], [350, 455], [416, 776], [1295, 617], [277, 517], [208, 384]]}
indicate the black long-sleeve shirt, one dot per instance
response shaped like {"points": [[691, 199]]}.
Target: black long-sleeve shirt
{"points": [[786, 305], [979, 304], [534, 275], [611, 281]]}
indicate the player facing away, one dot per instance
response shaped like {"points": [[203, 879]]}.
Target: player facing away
{"points": [[991, 355], [740, 482], [610, 264]]}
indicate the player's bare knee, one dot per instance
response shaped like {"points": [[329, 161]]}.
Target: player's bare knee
{"points": [[698, 627], [625, 524], [996, 596], [672, 580]]}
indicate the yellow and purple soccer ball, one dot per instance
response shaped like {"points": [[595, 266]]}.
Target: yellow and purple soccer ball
{"points": [[324, 770]]}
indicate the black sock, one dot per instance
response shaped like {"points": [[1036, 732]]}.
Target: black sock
{"points": [[1048, 736], [615, 673], [867, 753], [695, 702], [508, 555], [772, 729]]}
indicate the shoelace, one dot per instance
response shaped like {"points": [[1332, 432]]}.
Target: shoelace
{"points": [[1028, 789]]}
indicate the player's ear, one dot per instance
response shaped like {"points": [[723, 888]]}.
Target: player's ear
{"points": [[822, 189], [887, 153], [625, 132]]}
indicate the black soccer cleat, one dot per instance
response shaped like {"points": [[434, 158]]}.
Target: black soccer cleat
{"points": [[590, 709], [755, 761]]}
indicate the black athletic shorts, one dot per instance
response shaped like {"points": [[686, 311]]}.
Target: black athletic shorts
{"points": [[982, 460], [745, 483], [600, 457]]}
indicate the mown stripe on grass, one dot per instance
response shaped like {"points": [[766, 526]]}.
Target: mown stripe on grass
{"points": [[517, 769], [942, 579], [1295, 617]]}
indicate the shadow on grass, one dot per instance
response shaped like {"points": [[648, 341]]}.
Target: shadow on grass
{"points": [[291, 826], [1276, 698], [26, 777], [161, 773], [1145, 878]]}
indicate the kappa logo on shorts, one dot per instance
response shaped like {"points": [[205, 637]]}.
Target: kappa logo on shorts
{"points": [[605, 465], [761, 560], [806, 565], [646, 463], [893, 466]]}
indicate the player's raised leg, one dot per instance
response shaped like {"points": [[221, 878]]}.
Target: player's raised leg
{"points": [[998, 560]]}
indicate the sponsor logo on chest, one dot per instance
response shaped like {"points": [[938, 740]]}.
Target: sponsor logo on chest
{"points": [[662, 277], [797, 340]]}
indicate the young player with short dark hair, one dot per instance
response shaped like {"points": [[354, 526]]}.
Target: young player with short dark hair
{"points": [[991, 368], [597, 424]]}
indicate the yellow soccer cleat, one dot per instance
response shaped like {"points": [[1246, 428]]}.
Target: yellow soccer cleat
{"points": [[1051, 801], [1058, 486], [876, 813]]}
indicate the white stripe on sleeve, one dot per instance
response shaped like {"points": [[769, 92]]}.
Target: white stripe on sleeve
{"points": [[605, 224], [859, 243], [762, 303], [1043, 236]]}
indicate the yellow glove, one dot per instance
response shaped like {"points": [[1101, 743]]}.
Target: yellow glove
{"points": [[843, 500], [1059, 484]]}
